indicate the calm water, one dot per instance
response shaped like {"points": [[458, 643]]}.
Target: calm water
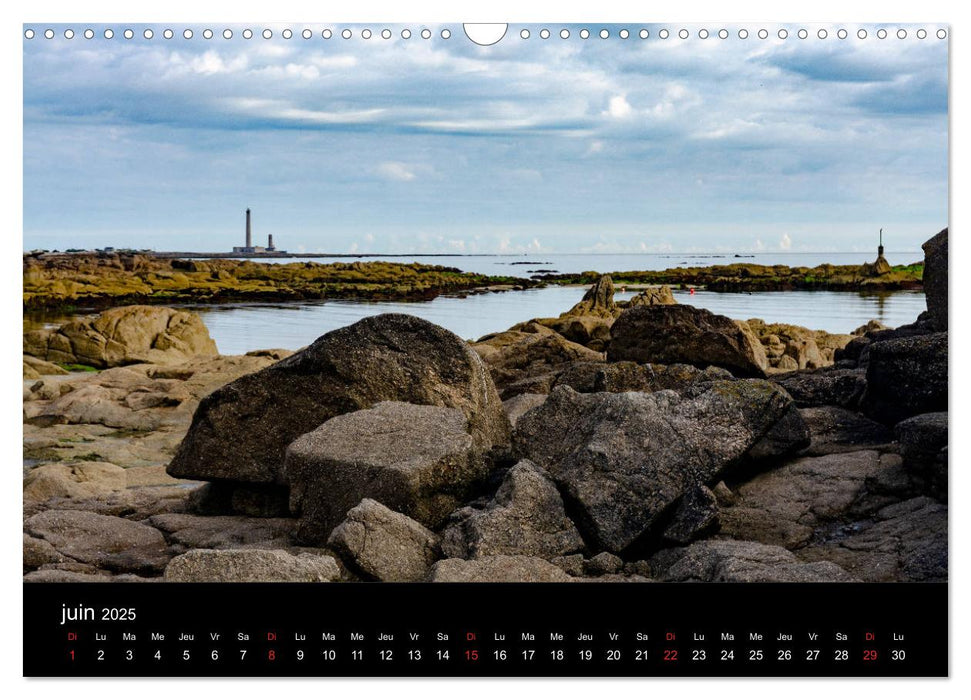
{"points": [[243, 327], [532, 263]]}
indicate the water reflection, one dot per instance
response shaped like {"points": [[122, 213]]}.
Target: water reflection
{"points": [[239, 328]]}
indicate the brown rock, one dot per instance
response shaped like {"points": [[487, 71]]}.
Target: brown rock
{"points": [[122, 336], [100, 540], [75, 480], [686, 334]]}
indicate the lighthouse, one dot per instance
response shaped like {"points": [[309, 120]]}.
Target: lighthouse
{"points": [[249, 230]]}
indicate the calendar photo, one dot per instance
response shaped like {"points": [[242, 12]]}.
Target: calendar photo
{"points": [[636, 304]]}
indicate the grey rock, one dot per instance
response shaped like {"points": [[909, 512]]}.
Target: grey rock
{"points": [[836, 429], [526, 517], [38, 552], [417, 460], [906, 376], [686, 334], [520, 404], [188, 531], [733, 561], [385, 545], [62, 576], [622, 459], [824, 387], [591, 377], [786, 506], [250, 566], [924, 441], [103, 541], [603, 563], [570, 563], [497, 569], [923, 436], [695, 516], [905, 541], [241, 431]]}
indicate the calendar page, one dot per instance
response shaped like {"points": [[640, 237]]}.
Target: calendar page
{"points": [[485, 350]]}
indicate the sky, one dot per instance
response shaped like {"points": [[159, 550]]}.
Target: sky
{"points": [[443, 146]]}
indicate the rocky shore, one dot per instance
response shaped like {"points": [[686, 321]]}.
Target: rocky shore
{"points": [[749, 277], [621, 441], [65, 281]]}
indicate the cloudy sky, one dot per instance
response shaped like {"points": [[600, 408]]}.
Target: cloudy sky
{"points": [[434, 145]]}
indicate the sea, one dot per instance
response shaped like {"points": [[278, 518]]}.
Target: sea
{"points": [[567, 263]]}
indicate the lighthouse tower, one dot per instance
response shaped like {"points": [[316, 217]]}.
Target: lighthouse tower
{"points": [[249, 230]]}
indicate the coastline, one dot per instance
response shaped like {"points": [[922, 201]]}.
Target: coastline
{"points": [[68, 281]]}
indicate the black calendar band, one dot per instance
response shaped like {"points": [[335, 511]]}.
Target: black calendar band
{"points": [[576, 629]]}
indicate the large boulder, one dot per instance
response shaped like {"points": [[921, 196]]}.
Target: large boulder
{"points": [[622, 460], [241, 431], [385, 545], [906, 376], [250, 566], [102, 541], [526, 517], [687, 334], [417, 460], [123, 336], [732, 561], [935, 280], [497, 569]]}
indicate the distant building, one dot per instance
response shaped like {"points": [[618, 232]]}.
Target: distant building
{"points": [[249, 248]]}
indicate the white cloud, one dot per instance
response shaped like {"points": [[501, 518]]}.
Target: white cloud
{"points": [[618, 107], [393, 170], [785, 243], [210, 63]]}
